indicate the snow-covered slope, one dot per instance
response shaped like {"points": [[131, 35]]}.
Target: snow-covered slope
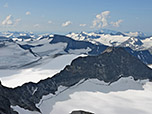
{"points": [[42, 47], [134, 40], [133, 43], [141, 47], [135, 34], [124, 96], [147, 43], [58, 44], [46, 68], [12, 55]]}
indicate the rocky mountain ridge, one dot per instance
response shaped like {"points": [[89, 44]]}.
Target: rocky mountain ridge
{"points": [[109, 66]]}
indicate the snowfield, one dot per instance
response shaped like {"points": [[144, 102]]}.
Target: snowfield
{"points": [[147, 42], [47, 68], [11, 55], [95, 38], [50, 49], [42, 47], [121, 97]]}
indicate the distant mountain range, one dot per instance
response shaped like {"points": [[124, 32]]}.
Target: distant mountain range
{"points": [[32, 48]]}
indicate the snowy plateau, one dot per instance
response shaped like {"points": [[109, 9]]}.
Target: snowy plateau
{"points": [[26, 57]]}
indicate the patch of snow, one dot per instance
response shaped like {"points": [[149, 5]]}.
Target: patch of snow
{"points": [[51, 35], [34, 91], [139, 57], [150, 66]]}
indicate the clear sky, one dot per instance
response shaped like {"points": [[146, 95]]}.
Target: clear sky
{"points": [[62, 16]]}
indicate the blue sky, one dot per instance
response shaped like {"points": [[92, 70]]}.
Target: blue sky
{"points": [[61, 16]]}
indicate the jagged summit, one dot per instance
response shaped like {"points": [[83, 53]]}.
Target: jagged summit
{"points": [[109, 49], [108, 66]]}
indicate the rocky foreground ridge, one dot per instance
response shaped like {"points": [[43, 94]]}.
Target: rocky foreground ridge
{"points": [[109, 66]]}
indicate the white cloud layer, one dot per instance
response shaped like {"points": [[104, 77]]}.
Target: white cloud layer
{"points": [[101, 19], [8, 20], [117, 23], [28, 13], [67, 23], [82, 25]]}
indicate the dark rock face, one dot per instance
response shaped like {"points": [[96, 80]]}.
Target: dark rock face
{"points": [[112, 64], [80, 112], [5, 103], [109, 66], [4, 106]]}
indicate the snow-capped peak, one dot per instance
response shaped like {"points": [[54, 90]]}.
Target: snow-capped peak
{"points": [[135, 34]]}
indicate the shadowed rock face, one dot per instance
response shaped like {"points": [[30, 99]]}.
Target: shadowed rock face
{"points": [[109, 66], [5, 104], [112, 64], [80, 112]]}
